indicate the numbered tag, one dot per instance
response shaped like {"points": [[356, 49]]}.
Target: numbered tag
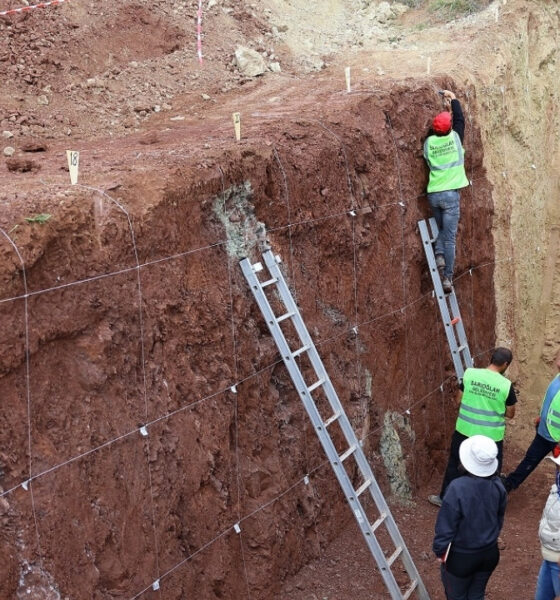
{"points": [[347, 75], [237, 125], [73, 164]]}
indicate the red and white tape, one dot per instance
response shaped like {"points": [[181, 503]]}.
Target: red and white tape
{"points": [[199, 31], [15, 11]]}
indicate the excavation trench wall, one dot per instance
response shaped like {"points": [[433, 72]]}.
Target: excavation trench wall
{"points": [[147, 321]]}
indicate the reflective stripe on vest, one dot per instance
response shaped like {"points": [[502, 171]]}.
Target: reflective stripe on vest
{"points": [[483, 404], [458, 148], [450, 175], [553, 417]]}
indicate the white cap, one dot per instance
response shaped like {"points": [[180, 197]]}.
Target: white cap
{"points": [[478, 455]]}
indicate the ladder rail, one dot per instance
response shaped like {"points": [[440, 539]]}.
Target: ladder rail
{"points": [[467, 358], [448, 305], [339, 415], [345, 425]]}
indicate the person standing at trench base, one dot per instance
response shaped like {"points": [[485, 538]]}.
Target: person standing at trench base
{"points": [[486, 399], [444, 153], [547, 434], [548, 582], [469, 522]]}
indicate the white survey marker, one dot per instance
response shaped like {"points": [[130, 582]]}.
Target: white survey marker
{"points": [[73, 164], [347, 75], [237, 125]]}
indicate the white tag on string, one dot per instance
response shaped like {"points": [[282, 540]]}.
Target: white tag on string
{"points": [[73, 157], [237, 125]]}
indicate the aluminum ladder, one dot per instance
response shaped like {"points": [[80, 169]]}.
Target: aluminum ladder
{"points": [[322, 422], [448, 305]]}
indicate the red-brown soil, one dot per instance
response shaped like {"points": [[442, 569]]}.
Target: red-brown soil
{"points": [[127, 308]]}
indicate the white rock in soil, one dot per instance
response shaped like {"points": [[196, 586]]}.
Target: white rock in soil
{"points": [[9, 151], [383, 12], [249, 62], [7, 134], [275, 67], [42, 99]]}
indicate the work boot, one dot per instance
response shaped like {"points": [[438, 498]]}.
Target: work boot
{"points": [[435, 499], [447, 285], [440, 262]]}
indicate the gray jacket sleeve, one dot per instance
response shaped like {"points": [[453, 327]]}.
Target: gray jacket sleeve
{"points": [[549, 527]]}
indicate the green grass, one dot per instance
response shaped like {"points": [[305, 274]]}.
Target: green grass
{"points": [[456, 8], [40, 218]]}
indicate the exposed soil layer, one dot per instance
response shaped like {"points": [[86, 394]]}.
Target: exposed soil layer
{"points": [[112, 347], [126, 320]]}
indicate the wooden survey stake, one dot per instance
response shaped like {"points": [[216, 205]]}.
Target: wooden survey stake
{"points": [[237, 125], [73, 164]]}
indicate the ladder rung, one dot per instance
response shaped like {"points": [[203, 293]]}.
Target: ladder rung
{"points": [[331, 419], [461, 348], [363, 488], [348, 452], [412, 587], [284, 317], [394, 556], [380, 520], [300, 351], [269, 282], [317, 384]]}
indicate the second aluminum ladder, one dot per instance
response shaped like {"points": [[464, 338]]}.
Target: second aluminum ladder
{"points": [[322, 423], [448, 306]]}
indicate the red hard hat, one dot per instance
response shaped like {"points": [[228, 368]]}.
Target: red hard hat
{"points": [[442, 122]]}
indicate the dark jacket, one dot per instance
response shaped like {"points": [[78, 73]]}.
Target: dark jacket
{"points": [[471, 516]]}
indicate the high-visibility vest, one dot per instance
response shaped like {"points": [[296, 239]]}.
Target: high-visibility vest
{"points": [[553, 417], [446, 158], [483, 405]]}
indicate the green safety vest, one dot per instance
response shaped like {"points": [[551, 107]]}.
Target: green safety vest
{"points": [[446, 158], [483, 405], [553, 417]]}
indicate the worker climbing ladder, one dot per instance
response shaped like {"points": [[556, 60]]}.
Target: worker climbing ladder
{"points": [[324, 423], [448, 306]]}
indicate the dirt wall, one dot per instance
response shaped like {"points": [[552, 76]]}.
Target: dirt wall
{"points": [[138, 315]]}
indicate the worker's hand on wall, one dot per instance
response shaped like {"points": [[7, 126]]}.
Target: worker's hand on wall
{"points": [[447, 97]]}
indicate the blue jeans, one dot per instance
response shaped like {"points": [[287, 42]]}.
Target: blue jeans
{"points": [[538, 449], [446, 211], [548, 583]]}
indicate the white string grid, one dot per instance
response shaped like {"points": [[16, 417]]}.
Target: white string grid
{"points": [[238, 477], [138, 267], [238, 383], [179, 255], [27, 392]]}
